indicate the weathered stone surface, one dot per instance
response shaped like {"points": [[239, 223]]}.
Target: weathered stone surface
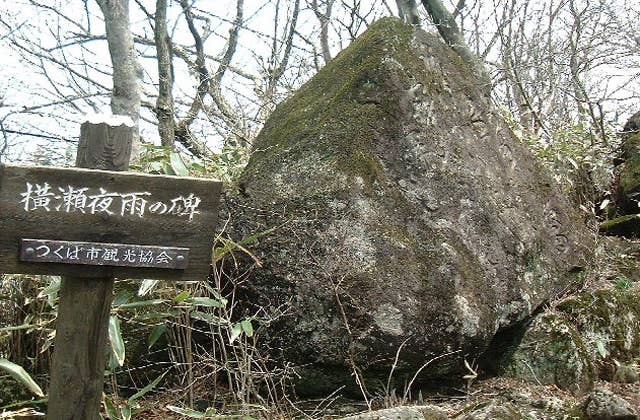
{"points": [[626, 373], [406, 212], [592, 335], [629, 176], [552, 352], [627, 184], [402, 413], [495, 411], [603, 404], [609, 324]]}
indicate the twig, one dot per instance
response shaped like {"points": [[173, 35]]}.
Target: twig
{"points": [[415, 375], [356, 372]]}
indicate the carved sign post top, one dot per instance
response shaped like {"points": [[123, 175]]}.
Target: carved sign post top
{"points": [[95, 206]]}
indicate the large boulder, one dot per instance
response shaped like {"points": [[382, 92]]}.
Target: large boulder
{"points": [[408, 219]]}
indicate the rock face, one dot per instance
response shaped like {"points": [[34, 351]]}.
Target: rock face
{"points": [[407, 215], [627, 186], [603, 404], [609, 324], [552, 352], [592, 335]]}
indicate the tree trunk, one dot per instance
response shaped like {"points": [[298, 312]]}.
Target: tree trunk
{"points": [[408, 11], [125, 97], [448, 29], [164, 103]]}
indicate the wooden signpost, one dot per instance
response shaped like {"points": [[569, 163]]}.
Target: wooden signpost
{"points": [[91, 225], [101, 207]]}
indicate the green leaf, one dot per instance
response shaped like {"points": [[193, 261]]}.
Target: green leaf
{"points": [[155, 167], [111, 410], [146, 389], [601, 348], [198, 167], [122, 298], [126, 412], [158, 315], [247, 327], [236, 331], [155, 335], [51, 289], [204, 301], [115, 337], [177, 164], [141, 303], [229, 245], [167, 169], [181, 296], [208, 318], [21, 375], [214, 292], [187, 412], [147, 286]]}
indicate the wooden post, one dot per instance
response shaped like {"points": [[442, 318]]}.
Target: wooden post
{"points": [[77, 372]]}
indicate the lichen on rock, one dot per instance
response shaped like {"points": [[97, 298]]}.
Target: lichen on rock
{"points": [[604, 404], [626, 197], [552, 352], [609, 323], [593, 335]]}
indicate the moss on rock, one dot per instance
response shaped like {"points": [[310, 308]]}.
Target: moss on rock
{"points": [[627, 187], [586, 337], [629, 183], [334, 120], [609, 323], [628, 225], [552, 352]]}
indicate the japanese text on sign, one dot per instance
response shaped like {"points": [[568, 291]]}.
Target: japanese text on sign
{"points": [[93, 253], [44, 197]]}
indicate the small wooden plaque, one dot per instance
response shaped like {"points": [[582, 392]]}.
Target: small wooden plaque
{"points": [[98, 253]]}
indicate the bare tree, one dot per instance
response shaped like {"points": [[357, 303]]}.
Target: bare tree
{"points": [[324, 17], [125, 99], [164, 103], [408, 11], [448, 29]]}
